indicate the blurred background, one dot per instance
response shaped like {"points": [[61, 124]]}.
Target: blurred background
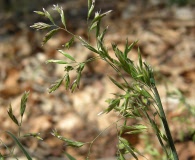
{"points": [[166, 34]]}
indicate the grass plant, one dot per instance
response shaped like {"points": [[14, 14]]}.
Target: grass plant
{"points": [[139, 98]]}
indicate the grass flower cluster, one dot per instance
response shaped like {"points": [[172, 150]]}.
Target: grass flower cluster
{"points": [[139, 98]]}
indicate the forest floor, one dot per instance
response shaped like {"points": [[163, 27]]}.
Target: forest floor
{"points": [[166, 37]]}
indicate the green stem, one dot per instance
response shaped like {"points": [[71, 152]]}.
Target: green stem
{"points": [[165, 123]]}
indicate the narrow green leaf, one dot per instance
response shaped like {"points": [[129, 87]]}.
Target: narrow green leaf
{"points": [[87, 45], [101, 36], [69, 156], [23, 103], [132, 45], [126, 48], [20, 145], [67, 55], [81, 67], [128, 147], [146, 94], [112, 105], [90, 48], [56, 85], [13, 118], [129, 47], [56, 61], [140, 59], [140, 126], [137, 126], [134, 132], [49, 35], [93, 26], [116, 83]]}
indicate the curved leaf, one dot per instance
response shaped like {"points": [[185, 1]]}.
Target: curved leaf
{"points": [[67, 55], [20, 145]]}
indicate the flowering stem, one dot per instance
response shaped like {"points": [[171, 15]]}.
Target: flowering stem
{"points": [[165, 124]]}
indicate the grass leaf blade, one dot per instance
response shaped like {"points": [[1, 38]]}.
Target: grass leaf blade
{"points": [[67, 55], [69, 156], [20, 145], [116, 83]]}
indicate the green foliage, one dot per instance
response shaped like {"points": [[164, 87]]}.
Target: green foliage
{"points": [[22, 109], [15, 138], [140, 97], [20, 145], [70, 157], [67, 55], [127, 147]]}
